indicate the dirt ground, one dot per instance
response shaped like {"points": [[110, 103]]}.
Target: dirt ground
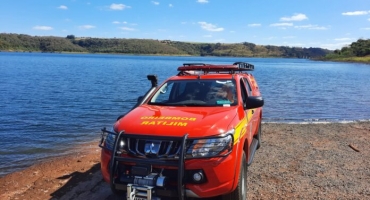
{"points": [[296, 161]]}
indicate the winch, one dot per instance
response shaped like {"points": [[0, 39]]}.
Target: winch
{"points": [[142, 188]]}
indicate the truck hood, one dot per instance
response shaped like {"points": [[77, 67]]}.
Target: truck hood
{"points": [[175, 121]]}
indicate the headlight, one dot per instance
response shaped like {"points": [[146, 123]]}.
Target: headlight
{"points": [[109, 141], [212, 147]]}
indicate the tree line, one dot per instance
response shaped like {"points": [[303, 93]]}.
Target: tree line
{"points": [[22, 42], [358, 51], [360, 48]]}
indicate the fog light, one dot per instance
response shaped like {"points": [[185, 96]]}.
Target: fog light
{"points": [[198, 176], [121, 144]]}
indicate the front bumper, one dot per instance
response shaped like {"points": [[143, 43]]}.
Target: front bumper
{"points": [[175, 175]]}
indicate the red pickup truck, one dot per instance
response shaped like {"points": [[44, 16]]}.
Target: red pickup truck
{"points": [[193, 136]]}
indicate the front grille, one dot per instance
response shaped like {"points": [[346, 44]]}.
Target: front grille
{"points": [[152, 147]]}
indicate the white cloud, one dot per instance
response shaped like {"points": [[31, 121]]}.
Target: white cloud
{"points": [[210, 27], [254, 25], [85, 27], [43, 28], [114, 6], [282, 24], [202, 1], [311, 27], [155, 3], [295, 17], [207, 36], [170, 5], [127, 29], [63, 7], [118, 22], [366, 29], [355, 13]]}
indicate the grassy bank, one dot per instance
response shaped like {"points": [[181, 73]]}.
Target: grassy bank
{"points": [[365, 59]]}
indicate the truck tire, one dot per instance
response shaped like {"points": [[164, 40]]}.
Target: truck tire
{"points": [[259, 135], [240, 192]]}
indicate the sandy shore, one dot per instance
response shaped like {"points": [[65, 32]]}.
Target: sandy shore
{"points": [[296, 161]]}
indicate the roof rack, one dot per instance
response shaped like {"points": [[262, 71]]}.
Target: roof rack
{"points": [[235, 67], [192, 64]]}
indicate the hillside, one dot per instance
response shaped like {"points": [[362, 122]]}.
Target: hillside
{"points": [[358, 51], [21, 42]]}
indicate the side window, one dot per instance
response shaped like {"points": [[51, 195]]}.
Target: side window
{"points": [[243, 92], [248, 86], [180, 88]]}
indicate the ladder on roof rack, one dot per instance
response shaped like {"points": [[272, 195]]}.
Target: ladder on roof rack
{"points": [[244, 65], [232, 68], [194, 64]]}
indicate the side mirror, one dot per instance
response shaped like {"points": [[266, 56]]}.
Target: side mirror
{"points": [[254, 102]]}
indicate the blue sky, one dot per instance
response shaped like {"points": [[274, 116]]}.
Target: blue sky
{"points": [[329, 24]]}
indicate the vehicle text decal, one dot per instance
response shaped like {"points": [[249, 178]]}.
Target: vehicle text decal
{"points": [[166, 120]]}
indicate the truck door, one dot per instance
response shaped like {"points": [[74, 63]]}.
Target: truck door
{"points": [[253, 117], [248, 113]]}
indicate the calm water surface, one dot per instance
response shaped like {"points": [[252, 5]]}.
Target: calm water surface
{"points": [[52, 102]]}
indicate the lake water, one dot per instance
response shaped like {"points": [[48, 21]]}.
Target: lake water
{"points": [[52, 102]]}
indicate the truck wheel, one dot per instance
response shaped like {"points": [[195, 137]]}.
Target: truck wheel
{"points": [[259, 134], [240, 192]]}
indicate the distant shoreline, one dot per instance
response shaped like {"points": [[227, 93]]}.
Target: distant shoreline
{"points": [[363, 60], [21, 42], [342, 60], [128, 54]]}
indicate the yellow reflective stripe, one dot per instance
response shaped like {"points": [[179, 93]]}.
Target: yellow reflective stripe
{"points": [[240, 129]]}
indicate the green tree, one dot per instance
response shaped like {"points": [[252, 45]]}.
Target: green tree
{"points": [[71, 37]]}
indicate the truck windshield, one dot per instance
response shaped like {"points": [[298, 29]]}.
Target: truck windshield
{"points": [[196, 93]]}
